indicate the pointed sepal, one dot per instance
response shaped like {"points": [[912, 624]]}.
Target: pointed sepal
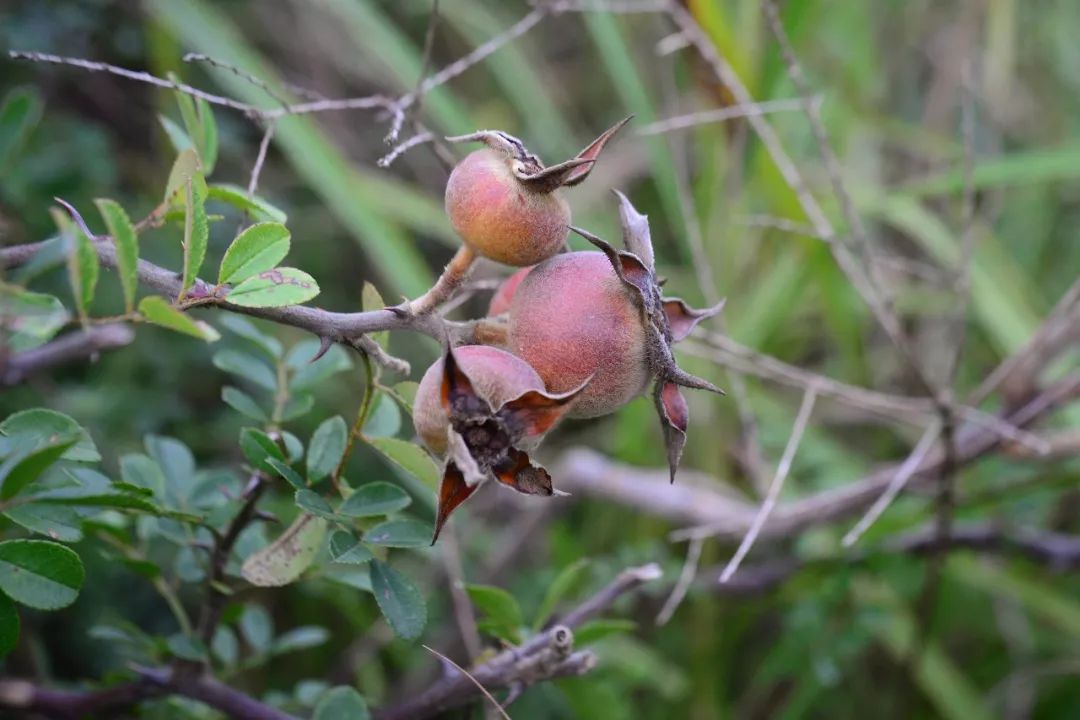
{"points": [[453, 490], [634, 273], [534, 412], [636, 234], [518, 471], [548, 180], [682, 318], [592, 151], [674, 419], [456, 393]]}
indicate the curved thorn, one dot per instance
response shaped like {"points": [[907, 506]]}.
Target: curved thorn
{"points": [[325, 343], [77, 218]]}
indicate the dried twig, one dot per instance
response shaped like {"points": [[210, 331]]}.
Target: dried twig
{"points": [[773, 497], [77, 345], [547, 655], [706, 117]]}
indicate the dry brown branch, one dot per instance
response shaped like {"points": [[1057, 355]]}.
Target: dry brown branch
{"points": [[773, 496], [77, 345], [547, 655], [706, 117]]}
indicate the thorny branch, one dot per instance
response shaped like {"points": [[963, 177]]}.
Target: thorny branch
{"points": [[78, 345]]}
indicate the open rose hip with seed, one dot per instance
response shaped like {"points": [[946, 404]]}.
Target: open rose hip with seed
{"points": [[482, 408]]}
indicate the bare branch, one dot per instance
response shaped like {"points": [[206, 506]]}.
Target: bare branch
{"points": [[732, 112], [900, 479], [782, 470], [344, 328], [76, 345], [547, 655], [682, 586], [26, 698]]}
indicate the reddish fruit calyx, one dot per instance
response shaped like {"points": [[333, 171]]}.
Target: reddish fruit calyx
{"points": [[666, 321], [484, 440], [527, 167]]}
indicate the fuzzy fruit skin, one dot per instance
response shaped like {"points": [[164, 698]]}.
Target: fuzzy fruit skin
{"points": [[500, 301], [571, 317], [498, 217], [496, 375]]}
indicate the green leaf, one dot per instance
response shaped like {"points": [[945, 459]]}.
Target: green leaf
{"points": [[284, 560], [209, 148], [243, 403], [246, 366], [283, 469], [297, 406], [274, 288], [9, 625], [177, 137], [405, 393], [301, 638], [42, 424], [346, 549], [196, 230], [29, 460], [410, 458], [238, 197], [259, 248], [341, 703], [127, 247], [307, 374], [595, 630], [225, 646], [258, 447], [326, 448], [399, 599], [40, 574], [18, 115], [83, 270], [29, 319], [186, 647], [402, 533], [566, 581], [185, 167], [500, 607], [375, 498], [141, 471], [370, 299], [385, 418], [257, 627], [314, 503], [58, 522], [176, 463], [247, 330], [157, 310]]}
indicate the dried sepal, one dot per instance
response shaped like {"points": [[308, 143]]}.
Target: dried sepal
{"points": [[634, 273], [551, 178], [457, 394], [674, 419], [592, 151], [681, 318], [535, 412], [453, 490], [530, 170], [636, 233], [518, 471]]}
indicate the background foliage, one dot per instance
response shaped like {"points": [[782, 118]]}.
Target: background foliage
{"points": [[835, 638]]}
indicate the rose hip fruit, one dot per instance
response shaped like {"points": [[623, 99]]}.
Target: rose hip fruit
{"points": [[482, 408], [500, 301], [600, 315], [506, 205]]}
